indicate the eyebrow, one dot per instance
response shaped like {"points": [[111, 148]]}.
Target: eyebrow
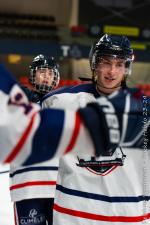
{"points": [[115, 60]]}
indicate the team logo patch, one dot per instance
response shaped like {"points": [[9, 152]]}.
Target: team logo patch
{"points": [[105, 164]]}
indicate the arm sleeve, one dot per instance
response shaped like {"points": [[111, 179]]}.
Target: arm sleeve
{"points": [[46, 138]]}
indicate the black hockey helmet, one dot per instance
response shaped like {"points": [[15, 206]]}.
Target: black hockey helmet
{"points": [[112, 45], [42, 61]]}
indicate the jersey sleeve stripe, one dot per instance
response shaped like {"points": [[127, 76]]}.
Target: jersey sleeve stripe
{"points": [[74, 134], [21, 142], [32, 183]]}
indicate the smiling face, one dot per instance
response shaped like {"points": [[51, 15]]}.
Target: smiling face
{"points": [[109, 74]]}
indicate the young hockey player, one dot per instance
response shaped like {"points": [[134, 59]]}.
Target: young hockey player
{"points": [[32, 188], [107, 189]]}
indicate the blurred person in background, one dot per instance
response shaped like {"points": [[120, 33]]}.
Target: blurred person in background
{"points": [[32, 188], [87, 185]]}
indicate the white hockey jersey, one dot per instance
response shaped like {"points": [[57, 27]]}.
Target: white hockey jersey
{"points": [[36, 181], [106, 190]]}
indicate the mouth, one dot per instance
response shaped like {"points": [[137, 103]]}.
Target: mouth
{"points": [[110, 78], [45, 82]]}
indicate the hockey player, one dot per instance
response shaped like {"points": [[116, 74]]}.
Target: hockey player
{"points": [[107, 189], [32, 187], [43, 76]]}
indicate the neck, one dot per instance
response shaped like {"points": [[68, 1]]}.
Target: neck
{"points": [[106, 91]]}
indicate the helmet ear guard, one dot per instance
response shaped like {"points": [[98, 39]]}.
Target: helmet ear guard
{"points": [[42, 61], [128, 67], [92, 56]]}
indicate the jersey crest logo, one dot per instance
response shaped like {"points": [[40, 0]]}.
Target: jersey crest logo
{"points": [[105, 164]]}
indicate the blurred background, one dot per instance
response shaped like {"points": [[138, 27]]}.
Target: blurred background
{"points": [[66, 29]]}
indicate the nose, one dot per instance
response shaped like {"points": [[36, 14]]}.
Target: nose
{"points": [[112, 68], [44, 75], [47, 73]]}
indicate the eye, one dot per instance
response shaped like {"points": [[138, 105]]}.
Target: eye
{"points": [[106, 63], [42, 71], [120, 64]]}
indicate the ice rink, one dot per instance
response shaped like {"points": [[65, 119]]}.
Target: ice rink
{"points": [[6, 207]]}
